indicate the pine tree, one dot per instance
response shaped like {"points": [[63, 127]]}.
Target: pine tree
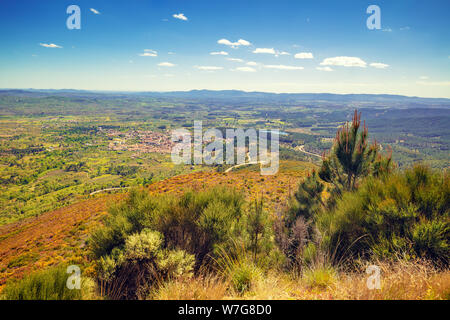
{"points": [[308, 198], [352, 157], [257, 222]]}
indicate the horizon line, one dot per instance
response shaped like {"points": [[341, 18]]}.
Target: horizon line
{"points": [[219, 90]]}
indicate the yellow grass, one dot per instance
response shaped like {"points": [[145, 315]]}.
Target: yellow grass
{"points": [[402, 281]]}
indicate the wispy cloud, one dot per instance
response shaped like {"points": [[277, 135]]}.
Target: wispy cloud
{"points": [[344, 62], [304, 55], [94, 11], [208, 68], [244, 69], [405, 28], [252, 63], [240, 42], [379, 65], [166, 64], [149, 53], [276, 53], [235, 59], [387, 30], [265, 50], [49, 45], [221, 53], [328, 69], [180, 16], [283, 67]]}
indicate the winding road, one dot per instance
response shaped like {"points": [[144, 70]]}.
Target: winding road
{"points": [[302, 149]]}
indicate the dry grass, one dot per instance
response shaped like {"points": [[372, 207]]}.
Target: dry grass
{"points": [[199, 288], [399, 281], [402, 280]]}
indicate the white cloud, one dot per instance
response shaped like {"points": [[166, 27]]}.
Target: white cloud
{"points": [[50, 45], [328, 69], [94, 11], [149, 53], [166, 64], [240, 42], [221, 53], [251, 63], [244, 69], [282, 67], [405, 28], [379, 65], [208, 68], [264, 50], [235, 59], [180, 16], [271, 51], [424, 77], [344, 61], [387, 30], [304, 55]]}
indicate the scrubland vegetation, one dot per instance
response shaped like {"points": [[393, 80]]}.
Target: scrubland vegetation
{"points": [[357, 209]]}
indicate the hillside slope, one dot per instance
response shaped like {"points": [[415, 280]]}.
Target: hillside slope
{"points": [[60, 235]]}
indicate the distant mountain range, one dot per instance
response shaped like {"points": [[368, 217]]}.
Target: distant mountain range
{"points": [[237, 94]]}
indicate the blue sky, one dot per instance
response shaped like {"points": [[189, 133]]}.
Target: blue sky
{"points": [[275, 46]]}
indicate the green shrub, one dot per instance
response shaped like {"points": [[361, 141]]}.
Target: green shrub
{"points": [[244, 275], [235, 264], [320, 277], [309, 253], [49, 284], [406, 213], [431, 239], [130, 272], [193, 222], [294, 230]]}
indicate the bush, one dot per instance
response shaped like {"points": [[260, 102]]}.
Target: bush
{"points": [[234, 264], [406, 213], [130, 272], [149, 239], [431, 239], [294, 229], [194, 222], [244, 275], [321, 277], [49, 284]]}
